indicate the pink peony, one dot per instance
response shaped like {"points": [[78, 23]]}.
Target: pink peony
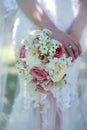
{"points": [[59, 52], [23, 52], [39, 74]]}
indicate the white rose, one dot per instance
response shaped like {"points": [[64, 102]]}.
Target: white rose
{"points": [[58, 72], [32, 58]]}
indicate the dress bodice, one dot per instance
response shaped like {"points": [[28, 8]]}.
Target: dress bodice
{"points": [[61, 12]]}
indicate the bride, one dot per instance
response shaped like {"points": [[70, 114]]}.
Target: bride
{"points": [[67, 21]]}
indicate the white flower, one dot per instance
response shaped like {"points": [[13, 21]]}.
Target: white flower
{"points": [[40, 50], [68, 60], [50, 66], [43, 48], [48, 32], [58, 72], [51, 51], [32, 58]]}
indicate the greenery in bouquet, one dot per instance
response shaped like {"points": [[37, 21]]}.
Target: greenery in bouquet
{"points": [[41, 62]]}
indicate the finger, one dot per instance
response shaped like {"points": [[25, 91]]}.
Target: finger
{"points": [[79, 47], [75, 51], [66, 53], [70, 53]]}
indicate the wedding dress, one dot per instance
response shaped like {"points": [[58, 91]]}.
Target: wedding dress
{"points": [[7, 11], [42, 112]]}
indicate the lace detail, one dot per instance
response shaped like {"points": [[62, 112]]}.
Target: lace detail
{"points": [[67, 95], [27, 107]]}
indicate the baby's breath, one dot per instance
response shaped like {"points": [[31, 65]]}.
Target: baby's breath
{"points": [[40, 50]]}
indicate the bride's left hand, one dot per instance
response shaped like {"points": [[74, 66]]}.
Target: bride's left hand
{"points": [[77, 42], [72, 45]]}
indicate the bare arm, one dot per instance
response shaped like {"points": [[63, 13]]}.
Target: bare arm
{"points": [[80, 21], [33, 11]]}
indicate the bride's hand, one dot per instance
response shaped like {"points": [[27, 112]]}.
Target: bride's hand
{"points": [[76, 39], [71, 44]]}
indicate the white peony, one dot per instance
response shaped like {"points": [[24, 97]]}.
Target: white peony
{"points": [[58, 72], [32, 58]]}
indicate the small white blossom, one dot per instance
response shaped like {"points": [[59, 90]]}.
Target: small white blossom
{"points": [[40, 53]]}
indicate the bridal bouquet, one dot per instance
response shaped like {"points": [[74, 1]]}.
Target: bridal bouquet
{"points": [[41, 62]]}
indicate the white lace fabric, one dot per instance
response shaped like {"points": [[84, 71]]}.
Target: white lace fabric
{"points": [[41, 112], [23, 23]]}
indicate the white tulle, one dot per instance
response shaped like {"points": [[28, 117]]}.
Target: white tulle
{"points": [[62, 110]]}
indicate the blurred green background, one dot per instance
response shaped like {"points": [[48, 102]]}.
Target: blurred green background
{"points": [[9, 83]]}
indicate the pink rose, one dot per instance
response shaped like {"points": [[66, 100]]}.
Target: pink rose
{"points": [[59, 52], [39, 74], [42, 90], [23, 52], [36, 82]]}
